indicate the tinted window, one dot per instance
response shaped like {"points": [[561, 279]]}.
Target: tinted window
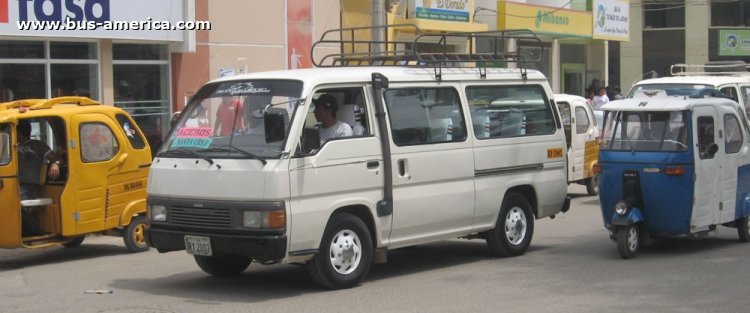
{"points": [[705, 136], [425, 115], [733, 131], [510, 111], [133, 135], [5, 135], [582, 121]]}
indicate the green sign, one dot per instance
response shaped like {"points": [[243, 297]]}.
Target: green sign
{"points": [[734, 42]]}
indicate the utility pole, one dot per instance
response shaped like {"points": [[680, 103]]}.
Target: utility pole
{"points": [[378, 23]]}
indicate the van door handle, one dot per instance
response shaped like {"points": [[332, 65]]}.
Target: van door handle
{"points": [[372, 165]]}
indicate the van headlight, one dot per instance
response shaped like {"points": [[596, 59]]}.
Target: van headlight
{"points": [[158, 213], [621, 207], [263, 219]]}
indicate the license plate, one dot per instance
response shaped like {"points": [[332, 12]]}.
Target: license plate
{"points": [[198, 245]]}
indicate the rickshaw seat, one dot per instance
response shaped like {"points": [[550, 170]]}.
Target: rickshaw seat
{"points": [[35, 202]]}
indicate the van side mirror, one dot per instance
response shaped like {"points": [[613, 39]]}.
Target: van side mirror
{"points": [[274, 126]]}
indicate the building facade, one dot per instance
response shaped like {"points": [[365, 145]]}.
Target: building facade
{"points": [[664, 33]]}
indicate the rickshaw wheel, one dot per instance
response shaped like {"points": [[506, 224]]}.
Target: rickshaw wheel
{"points": [[743, 229], [628, 241], [592, 185], [75, 242], [134, 236]]}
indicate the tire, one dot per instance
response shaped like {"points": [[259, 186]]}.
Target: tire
{"points": [[75, 242], [514, 229], [592, 185], [743, 229], [134, 234], [345, 253], [223, 266], [628, 241]]}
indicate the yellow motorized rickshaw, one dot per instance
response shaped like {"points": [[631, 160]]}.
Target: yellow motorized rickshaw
{"points": [[101, 162]]}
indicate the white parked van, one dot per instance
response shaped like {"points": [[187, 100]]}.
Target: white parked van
{"points": [[413, 155]]}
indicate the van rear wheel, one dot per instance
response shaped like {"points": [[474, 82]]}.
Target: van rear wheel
{"points": [[628, 241], [223, 266], [514, 229], [345, 253], [134, 235], [743, 229]]}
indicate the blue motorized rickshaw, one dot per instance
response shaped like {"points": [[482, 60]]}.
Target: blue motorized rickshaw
{"points": [[673, 166]]}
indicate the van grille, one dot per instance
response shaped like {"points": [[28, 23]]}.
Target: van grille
{"points": [[200, 217]]}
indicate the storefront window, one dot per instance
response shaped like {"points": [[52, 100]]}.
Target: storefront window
{"points": [[662, 49], [71, 68], [664, 14], [730, 13], [141, 87]]}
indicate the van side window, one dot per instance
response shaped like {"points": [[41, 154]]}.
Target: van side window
{"points": [[425, 115], [343, 107], [510, 111], [746, 100], [135, 137], [582, 121], [733, 134], [705, 136], [5, 135], [731, 93], [98, 143]]}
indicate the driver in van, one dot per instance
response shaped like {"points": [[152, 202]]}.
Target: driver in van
{"points": [[325, 113], [31, 154]]}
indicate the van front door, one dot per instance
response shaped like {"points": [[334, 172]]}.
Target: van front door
{"points": [[433, 165], [99, 156], [10, 210], [708, 157]]}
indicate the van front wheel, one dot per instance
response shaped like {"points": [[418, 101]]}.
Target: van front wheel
{"points": [[743, 229], [345, 254], [514, 229]]}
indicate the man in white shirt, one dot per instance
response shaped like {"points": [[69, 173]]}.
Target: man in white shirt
{"points": [[325, 113], [600, 98]]}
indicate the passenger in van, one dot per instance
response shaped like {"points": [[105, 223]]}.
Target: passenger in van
{"points": [[325, 113], [31, 155], [228, 116]]}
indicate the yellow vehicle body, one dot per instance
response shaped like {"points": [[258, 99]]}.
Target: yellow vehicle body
{"points": [[581, 136], [104, 163]]}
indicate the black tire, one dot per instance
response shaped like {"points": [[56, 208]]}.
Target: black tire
{"points": [[75, 242], [743, 229], [592, 185], [345, 253], [514, 229], [134, 235], [628, 241], [223, 266]]}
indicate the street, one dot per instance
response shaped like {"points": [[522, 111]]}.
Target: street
{"points": [[571, 266]]}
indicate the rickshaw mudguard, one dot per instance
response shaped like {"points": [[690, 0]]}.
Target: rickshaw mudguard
{"points": [[634, 216], [134, 208]]}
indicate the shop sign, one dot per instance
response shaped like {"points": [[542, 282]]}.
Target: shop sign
{"points": [[543, 20], [734, 42], [611, 20], [444, 10], [86, 18]]}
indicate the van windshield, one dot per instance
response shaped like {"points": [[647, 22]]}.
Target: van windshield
{"points": [[228, 120], [659, 131], [690, 90]]}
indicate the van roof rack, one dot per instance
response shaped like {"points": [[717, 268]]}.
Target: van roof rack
{"points": [[427, 49], [38, 104], [714, 68]]}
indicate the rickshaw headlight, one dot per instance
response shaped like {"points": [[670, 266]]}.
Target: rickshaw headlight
{"points": [[158, 213], [621, 207]]}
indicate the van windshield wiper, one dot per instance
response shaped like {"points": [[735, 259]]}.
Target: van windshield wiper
{"points": [[229, 148], [179, 151]]}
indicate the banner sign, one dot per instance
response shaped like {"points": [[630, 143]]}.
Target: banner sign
{"points": [[543, 20], [734, 42], [444, 10], [611, 20]]}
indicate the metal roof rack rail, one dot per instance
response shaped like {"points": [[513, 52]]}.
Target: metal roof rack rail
{"points": [[37, 104], [714, 68], [426, 49]]}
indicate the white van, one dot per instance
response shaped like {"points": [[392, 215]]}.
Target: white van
{"points": [[416, 158], [729, 79]]}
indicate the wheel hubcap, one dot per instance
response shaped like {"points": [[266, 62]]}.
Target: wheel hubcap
{"points": [[515, 226], [345, 252], [138, 234], [632, 239]]}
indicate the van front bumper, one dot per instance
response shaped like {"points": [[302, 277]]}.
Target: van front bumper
{"points": [[258, 247]]}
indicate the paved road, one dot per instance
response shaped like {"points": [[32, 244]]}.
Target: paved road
{"points": [[571, 266]]}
